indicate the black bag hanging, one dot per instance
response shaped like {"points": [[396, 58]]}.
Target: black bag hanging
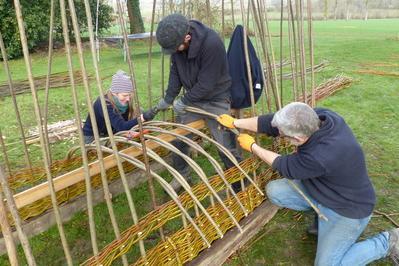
{"points": [[240, 94]]}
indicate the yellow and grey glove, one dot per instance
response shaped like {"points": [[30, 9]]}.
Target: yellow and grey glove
{"points": [[246, 141], [226, 120]]}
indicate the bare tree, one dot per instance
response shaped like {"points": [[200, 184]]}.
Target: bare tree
{"points": [[366, 6], [135, 19], [325, 9], [335, 9], [347, 6]]}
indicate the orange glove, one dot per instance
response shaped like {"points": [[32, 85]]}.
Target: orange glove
{"points": [[226, 121], [246, 141]]}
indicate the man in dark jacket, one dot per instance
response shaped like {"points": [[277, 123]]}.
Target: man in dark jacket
{"points": [[329, 167], [199, 65]]}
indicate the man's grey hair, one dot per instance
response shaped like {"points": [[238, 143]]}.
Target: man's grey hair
{"points": [[296, 119]]}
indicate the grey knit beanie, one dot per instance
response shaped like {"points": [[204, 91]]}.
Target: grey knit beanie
{"points": [[171, 32], [121, 83]]}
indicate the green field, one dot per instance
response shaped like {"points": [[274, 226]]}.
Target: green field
{"points": [[369, 106]]}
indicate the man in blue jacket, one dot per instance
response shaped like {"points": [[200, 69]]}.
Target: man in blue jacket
{"points": [[329, 167], [199, 65]]}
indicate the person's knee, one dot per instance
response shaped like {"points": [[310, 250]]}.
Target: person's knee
{"points": [[272, 191], [328, 259]]}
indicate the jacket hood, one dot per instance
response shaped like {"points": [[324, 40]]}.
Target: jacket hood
{"points": [[198, 32]]}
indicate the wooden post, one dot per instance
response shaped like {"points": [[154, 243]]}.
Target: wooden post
{"points": [[7, 234]]}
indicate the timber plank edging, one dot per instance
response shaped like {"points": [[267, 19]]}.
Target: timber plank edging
{"points": [[233, 240]]}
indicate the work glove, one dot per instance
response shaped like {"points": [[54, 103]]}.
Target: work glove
{"points": [[246, 141], [226, 120], [150, 114], [130, 135], [163, 105], [179, 106]]}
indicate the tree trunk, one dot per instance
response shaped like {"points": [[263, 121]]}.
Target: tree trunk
{"points": [[366, 5], [325, 9], [335, 9], [135, 19], [348, 14]]}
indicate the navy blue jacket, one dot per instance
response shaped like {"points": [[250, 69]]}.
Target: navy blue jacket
{"points": [[331, 166], [119, 122], [202, 70], [240, 93]]}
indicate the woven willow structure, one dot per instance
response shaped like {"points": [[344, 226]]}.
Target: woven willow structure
{"points": [[185, 244], [206, 210]]}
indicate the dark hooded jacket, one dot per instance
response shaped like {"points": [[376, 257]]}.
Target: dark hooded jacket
{"points": [[240, 90], [202, 69], [331, 166]]}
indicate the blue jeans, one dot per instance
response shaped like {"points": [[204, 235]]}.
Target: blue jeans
{"points": [[336, 243]]}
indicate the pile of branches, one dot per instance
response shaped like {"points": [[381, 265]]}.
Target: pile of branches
{"points": [[58, 131], [316, 68], [57, 80], [377, 72], [328, 88]]}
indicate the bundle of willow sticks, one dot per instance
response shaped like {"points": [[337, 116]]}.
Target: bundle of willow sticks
{"points": [[57, 80], [328, 88]]}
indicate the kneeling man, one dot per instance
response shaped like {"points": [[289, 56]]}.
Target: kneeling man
{"points": [[329, 167]]}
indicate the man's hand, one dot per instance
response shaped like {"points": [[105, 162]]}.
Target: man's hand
{"points": [[226, 121], [150, 114], [179, 106], [246, 141], [162, 105]]}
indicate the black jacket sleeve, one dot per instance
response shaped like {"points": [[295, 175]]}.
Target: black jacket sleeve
{"points": [[174, 85], [265, 125]]}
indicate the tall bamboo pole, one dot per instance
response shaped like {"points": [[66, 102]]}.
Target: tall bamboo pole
{"points": [[149, 69], [259, 34], [109, 128], [232, 13], [272, 60], [14, 101], [299, 12], [28, 64], [47, 87], [310, 33], [281, 50], [7, 233], [137, 105], [85, 160], [4, 150], [294, 63], [247, 61], [18, 223], [163, 66]]}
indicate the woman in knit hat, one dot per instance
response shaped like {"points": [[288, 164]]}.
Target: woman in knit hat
{"points": [[119, 107]]}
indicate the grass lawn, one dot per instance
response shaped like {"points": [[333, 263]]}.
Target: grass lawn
{"points": [[368, 106]]}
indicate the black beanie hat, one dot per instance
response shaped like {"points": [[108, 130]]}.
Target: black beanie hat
{"points": [[171, 32]]}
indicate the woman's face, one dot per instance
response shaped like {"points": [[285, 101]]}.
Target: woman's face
{"points": [[123, 97]]}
